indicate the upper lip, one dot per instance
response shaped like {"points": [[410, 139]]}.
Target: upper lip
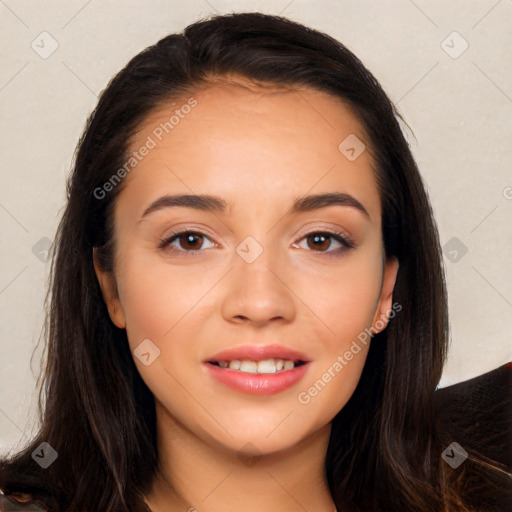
{"points": [[258, 353]]}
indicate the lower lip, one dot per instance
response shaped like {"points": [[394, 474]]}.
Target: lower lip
{"points": [[257, 383]]}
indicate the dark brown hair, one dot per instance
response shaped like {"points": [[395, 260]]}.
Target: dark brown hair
{"points": [[97, 412]]}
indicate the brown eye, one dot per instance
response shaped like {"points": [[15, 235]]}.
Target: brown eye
{"points": [[319, 241], [322, 242], [188, 241]]}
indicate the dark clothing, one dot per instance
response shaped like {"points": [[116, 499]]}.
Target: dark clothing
{"points": [[477, 414]]}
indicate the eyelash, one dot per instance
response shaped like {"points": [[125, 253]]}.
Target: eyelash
{"points": [[339, 237]]}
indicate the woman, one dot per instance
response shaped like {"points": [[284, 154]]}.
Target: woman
{"points": [[248, 309]]}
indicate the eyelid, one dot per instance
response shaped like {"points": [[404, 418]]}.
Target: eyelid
{"points": [[190, 228]]}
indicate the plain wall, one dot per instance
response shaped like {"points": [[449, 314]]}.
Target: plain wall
{"points": [[457, 100]]}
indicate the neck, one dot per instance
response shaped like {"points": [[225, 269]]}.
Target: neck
{"points": [[198, 475]]}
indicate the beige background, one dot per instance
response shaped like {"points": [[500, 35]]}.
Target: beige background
{"points": [[459, 107]]}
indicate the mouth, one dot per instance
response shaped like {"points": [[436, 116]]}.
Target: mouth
{"points": [[258, 370], [265, 366]]}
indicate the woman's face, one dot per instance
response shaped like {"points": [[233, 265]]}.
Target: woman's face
{"points": [[258, 276]]}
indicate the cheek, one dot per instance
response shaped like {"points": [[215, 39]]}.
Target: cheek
{"points": [[164, 305], [345, 297], [155, 300]]}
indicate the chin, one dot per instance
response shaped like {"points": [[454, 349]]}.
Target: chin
{"points": [[257, 434]]}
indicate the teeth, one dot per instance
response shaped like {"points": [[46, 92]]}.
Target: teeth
{"points": [[265, 366], [248, 366], [288, 365]]}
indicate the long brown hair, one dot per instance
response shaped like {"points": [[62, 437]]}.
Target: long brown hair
{"points": [[95, 409]]}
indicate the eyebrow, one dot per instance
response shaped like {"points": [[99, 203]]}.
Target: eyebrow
{"points": [[216, 204]]}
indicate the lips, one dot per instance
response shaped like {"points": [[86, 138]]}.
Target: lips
{"points": [[259, 353], [246, 369]]}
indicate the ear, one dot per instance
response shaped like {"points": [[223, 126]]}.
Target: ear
{"points": [[110, 294], [385, 303]]}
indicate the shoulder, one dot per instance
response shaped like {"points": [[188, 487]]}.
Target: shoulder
{"points": [[478, 413], [475, 418]]}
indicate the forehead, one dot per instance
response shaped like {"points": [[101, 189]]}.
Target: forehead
{"points": [[276, 141]]}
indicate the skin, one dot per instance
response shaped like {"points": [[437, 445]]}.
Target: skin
{"points": [[192, 305]]}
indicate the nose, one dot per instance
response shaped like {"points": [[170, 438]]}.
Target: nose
{"points": [[259, 292]]}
